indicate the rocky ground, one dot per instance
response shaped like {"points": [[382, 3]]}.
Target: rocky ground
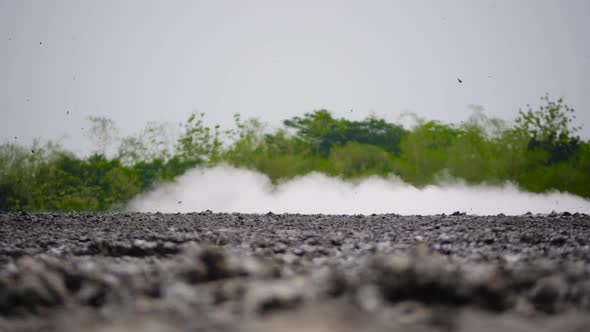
{"points": [[234, 272]]}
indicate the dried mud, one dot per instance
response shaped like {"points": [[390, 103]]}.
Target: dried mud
{"points": [[236, 272]]}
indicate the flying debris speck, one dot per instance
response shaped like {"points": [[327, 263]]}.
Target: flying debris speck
{"points": [[459, 80], [179, 202], [68, 113]]}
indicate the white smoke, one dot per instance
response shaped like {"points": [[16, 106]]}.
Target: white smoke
{"points": [[228, 189]]}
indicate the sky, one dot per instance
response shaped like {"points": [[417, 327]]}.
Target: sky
{"points": [[140, 61]]}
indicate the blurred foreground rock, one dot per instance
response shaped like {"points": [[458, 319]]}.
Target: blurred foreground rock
{"points": [[229, 272]]}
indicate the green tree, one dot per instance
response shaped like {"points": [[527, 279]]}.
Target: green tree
{"points": [[355, 159], [374, 131], [550, 128], [318, 130], [248, 142], [199, 142], [321, 132], [103, 133], [155, 141], [425, 151]]}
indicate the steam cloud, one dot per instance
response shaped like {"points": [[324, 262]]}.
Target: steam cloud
{"points": [[227, 189]]}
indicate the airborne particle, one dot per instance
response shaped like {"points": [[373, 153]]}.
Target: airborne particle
{"points": [[459, 80], [179, 202]]}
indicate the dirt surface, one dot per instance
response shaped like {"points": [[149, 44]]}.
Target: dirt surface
{"points": [[233, 272]]}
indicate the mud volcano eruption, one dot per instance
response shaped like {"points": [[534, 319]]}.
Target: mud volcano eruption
{"points": [[290, 272], [227, 189]]}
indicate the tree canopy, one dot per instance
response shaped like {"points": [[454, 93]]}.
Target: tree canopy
{"points": [[538, 152]]}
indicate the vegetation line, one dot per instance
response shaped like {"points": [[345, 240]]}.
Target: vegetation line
{"points": [[539, 151]]}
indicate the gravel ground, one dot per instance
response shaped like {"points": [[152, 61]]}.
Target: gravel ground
{"points": [[236, 272]]}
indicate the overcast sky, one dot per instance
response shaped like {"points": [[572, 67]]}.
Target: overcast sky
{"points": [[139, 61]]}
